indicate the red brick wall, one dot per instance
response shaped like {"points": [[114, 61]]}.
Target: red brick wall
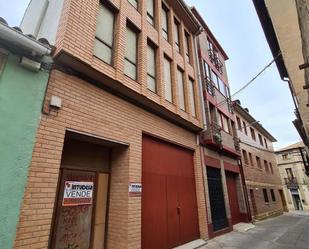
{"points": [[88, 109], [76, 35]]}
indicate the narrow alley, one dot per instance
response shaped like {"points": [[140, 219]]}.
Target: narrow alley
{"points": [[289, 231]]}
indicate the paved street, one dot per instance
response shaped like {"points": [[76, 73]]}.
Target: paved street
{"points": [[290, 231]]}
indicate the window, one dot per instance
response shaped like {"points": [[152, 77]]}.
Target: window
{"points": [[252, 133], [245, 127], [272, 193], [192, 99], [164, 17], [265, 195], [245, 157], [150, 11], [225, 123], [289, 172], [214, 78], [207, 70], [168, 80], [258, 162], [130, 68], [134, 3], [265, 143], [104, 38], [285, 156], [251, 159], [238, 123], [271, 168], [176, 35], [260, 139], [221, 87], [187, 47], [181, 91], [151, 68], [266, 166]]}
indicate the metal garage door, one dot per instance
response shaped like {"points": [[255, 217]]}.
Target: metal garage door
{"points": [[169, 209]]}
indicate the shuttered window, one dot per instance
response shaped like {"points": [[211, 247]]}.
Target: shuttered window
{"points": [[103, 46], [150, 11], [130, 68], [151, 68], [187, 47], [181, 91], [168, 80], [176, 35], [134, 3], [191, 97], [164, 21]]}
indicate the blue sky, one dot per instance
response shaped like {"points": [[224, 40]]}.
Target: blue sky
{"points": [[236, 26]]}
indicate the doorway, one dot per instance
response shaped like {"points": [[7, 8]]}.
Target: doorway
{"points": [[283, 201], [169, 206], [231, 182], [297, 202], [81, 209], [216, 198], [252, 197]]}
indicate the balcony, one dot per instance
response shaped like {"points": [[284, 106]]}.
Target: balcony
{"points": [[218, 139], [214, 58], [291, 182]]}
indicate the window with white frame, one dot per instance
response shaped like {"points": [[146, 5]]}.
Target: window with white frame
{"points": [[134, 3], [176, 35], [168, 80], [150, 11], [130, 62], [151, 68], [181, 90], [164, 21], [104, 38], [191, 97]]}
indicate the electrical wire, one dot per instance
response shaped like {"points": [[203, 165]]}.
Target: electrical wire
{"points": [[251, 81]]}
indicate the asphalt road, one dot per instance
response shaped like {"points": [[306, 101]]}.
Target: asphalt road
{"points": [[289, 231]]}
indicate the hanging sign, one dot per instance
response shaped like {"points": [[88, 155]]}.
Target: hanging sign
{"points": [[135, 189], [77, 193]]}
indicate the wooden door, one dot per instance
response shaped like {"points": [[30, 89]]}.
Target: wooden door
{"points": [[169, 209], [73, 224], [254, 208], [231, 179]]}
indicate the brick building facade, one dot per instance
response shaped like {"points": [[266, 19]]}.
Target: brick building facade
{"points": [[114, 117], [223, 185], [259, 164]]}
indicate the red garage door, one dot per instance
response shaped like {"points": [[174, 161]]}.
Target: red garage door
{"points": [[233, 199], [169, 209]]}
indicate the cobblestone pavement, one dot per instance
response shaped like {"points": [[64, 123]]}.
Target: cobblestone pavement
{"points": [[289, 231]]}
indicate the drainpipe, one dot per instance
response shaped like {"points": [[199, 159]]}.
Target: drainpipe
{"points": [[199, 77], [249, 215], [18, 39]]}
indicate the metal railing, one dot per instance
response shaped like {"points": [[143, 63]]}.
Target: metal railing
{"points": [[213, 56], [291, 182], [210, 86]]}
